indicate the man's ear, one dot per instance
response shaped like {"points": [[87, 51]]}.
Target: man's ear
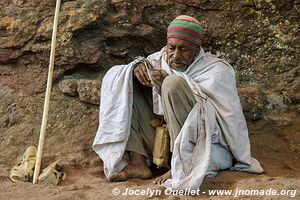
{"points": [[197, 50]]}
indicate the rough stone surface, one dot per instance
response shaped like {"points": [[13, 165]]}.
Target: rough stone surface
{"points": [[69, 87], [253, 102], [259, 38], [89, 91], [276, 102]]}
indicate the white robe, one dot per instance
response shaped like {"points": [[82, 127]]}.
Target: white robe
{"points": [[217, 119]]}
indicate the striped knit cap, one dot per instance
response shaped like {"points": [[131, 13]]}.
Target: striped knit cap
{"points": [[186, 28]]}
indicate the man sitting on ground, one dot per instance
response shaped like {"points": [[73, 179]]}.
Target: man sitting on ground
{"points": [[196, 94]]}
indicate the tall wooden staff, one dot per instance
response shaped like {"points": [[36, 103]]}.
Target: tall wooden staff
{"points": [[47, 97]]}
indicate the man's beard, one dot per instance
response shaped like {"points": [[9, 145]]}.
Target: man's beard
{"points": [[181, 69]]}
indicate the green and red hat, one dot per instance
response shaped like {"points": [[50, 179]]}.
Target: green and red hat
{"points": [[186, 28]]}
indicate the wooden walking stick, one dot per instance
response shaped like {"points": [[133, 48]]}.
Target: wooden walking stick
{"points": [[47, 97]]}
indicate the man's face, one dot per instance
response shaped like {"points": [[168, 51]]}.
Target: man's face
{"points": [[180, 53]]}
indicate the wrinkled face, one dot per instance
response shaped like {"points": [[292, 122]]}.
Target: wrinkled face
{"points": [[181, 53]]}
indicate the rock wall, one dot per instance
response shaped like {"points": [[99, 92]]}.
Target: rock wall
{"points": [[260, 38]]}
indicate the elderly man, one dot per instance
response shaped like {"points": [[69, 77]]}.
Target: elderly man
{"points": [[196, 94]]}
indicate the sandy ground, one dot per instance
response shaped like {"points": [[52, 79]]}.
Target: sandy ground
{"points": [[270, 146]]}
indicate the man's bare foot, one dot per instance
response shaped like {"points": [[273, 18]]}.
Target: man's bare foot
{"points": [[131, 171], [161, 179], [137, 168], [118, 176]]}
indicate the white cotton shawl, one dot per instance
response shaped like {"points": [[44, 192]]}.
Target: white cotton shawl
{"points": [[213, 83]]}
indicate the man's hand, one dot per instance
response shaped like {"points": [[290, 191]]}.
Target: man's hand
{"points": [[140, 72], [157, 78]]}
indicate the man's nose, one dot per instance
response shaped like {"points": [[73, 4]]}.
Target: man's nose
{"points": [[176, 54]]}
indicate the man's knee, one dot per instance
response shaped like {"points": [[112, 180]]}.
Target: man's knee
{"points": [[172, 84]]}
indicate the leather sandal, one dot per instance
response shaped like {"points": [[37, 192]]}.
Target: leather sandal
{"points": [[52, 175], [23, 171]]}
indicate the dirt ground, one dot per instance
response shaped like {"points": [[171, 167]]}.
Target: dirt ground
{"points": [[71, 130]]}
